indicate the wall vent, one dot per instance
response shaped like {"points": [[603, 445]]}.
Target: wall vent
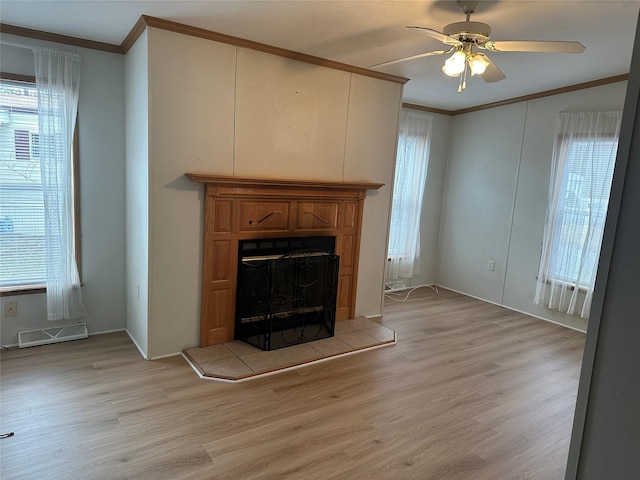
{"points": [[43, 336]]}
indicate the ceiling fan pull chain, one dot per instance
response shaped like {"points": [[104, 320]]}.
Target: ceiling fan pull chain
{"points": [[463, 78]]}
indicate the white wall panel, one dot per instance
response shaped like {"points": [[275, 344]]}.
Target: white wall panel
{"points": [[192, 84], [478, 200], [374, 106], [137, 192], [291, 118]]}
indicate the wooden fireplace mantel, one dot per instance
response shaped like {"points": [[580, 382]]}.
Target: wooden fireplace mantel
{"points": [[232, 182], [239, 208]]}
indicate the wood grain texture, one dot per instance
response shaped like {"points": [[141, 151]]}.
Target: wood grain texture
{"points": [[57, 38], [239, 208], [470, 391]]}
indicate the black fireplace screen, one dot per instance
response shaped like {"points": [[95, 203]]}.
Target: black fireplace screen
{"points": [[286, 298]]}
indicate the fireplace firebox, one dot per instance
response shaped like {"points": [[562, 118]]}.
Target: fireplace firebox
{"points": [[287, 290]]}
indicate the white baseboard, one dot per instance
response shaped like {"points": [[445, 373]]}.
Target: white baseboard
{"points": [[570, 327], [136, 344], [91, 334], [168, 355]]}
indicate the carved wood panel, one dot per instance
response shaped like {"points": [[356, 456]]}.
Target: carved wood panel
{"points": [[222, 216], [349, 215], [263, 216], [317, 215]]}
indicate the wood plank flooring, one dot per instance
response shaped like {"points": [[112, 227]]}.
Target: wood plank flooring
{"points": [[470, 391]]}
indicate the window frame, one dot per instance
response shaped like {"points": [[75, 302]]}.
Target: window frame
{"points": [[41, 288]]}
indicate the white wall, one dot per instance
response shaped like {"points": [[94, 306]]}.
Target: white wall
{"points": [[101, 157], [137, 193], [496, 193]]}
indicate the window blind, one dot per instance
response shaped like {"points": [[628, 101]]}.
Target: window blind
{"points": [[22, 248], [582, 209], [408, 189], [401, 244]]}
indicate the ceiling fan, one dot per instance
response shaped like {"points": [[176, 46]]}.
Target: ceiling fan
{"points": [[462, 37]]}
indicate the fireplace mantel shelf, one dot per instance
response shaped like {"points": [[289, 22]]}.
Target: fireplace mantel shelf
{"points": [[229, 181], [242, 208]]}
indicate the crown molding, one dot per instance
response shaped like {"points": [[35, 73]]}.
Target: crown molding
{"points": [[57, 38], [524, 98]]}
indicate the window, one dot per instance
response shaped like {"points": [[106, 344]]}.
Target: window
{"points": [[22, 249], [22, 229], [408, 189], [582, 169], [581, 208]]}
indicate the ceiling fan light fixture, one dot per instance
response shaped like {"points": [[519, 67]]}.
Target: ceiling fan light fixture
{"points": [[478, 64], [464, 37], [455, 64]]}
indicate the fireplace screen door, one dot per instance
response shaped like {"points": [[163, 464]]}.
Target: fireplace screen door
{"points": [[286, 299]]}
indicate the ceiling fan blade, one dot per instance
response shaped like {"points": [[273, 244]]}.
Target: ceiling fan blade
{"points": [[492, 72], [437, 35], [541, 46], [412, 57]]}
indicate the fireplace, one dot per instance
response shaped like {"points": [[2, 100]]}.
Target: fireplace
{"points": [[241, 211], [286, 291]]}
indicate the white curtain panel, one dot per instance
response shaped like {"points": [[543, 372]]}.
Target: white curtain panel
{"points": [[408, 189], [57, 84], [584, 153]]}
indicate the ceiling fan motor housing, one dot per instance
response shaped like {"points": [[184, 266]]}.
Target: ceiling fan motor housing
{"points": [[468, 32]]}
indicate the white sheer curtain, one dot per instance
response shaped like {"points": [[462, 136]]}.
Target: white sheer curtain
{"points": [[408, 189], [57, 84], [581, 171]]}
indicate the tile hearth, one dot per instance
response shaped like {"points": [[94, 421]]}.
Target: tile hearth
{"points": [[238, 361]]}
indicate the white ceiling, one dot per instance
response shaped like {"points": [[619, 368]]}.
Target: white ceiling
{"points": [[366, 32]]}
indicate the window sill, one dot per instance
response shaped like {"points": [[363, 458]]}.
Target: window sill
{"points": [[22, 290]]}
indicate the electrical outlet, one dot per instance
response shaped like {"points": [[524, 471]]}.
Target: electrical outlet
{"points": [[491, 266], [11, 308]]}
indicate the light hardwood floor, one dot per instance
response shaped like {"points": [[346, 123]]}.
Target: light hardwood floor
{"points": [[471, 391]]}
